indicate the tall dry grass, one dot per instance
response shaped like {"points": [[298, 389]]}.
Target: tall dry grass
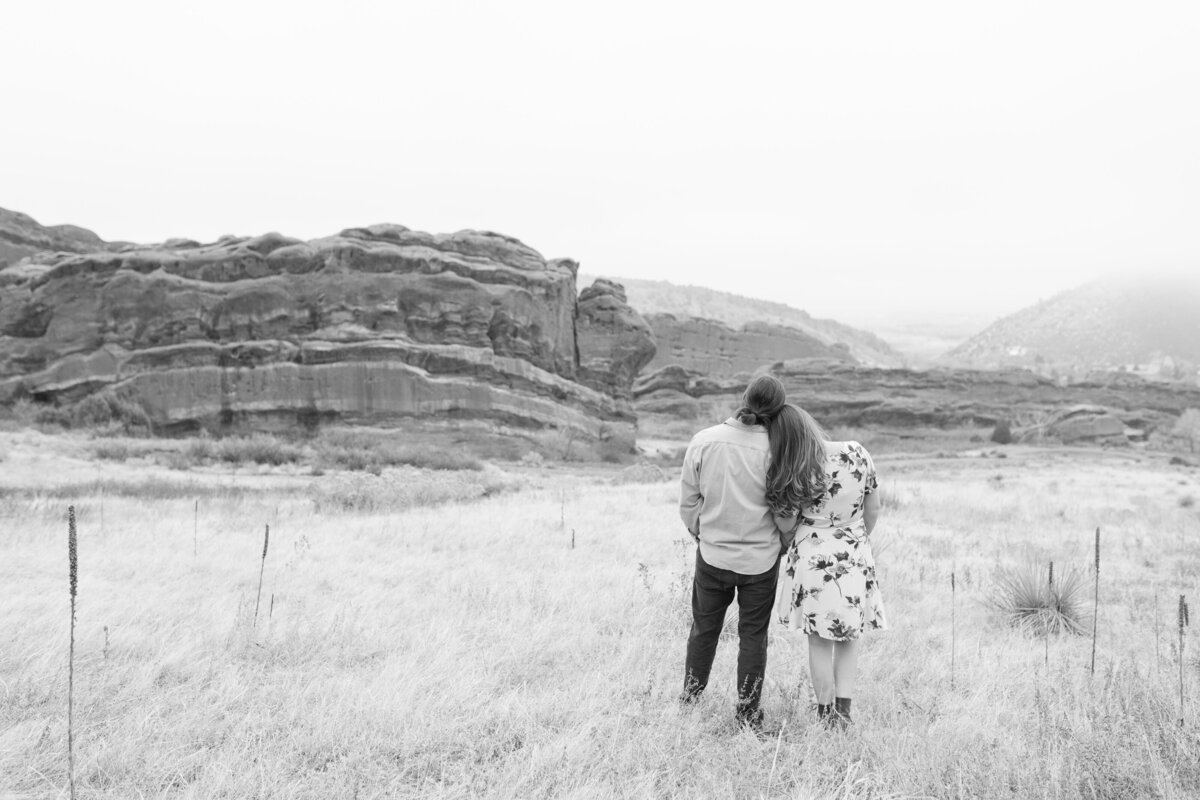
{"points": [[1183, 624], [73, 578], [261, 570], [466, 650], [1096, 603]]}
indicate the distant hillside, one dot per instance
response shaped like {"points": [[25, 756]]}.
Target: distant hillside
{"points": [[697, 302], [21, 235], [1147, 324]]}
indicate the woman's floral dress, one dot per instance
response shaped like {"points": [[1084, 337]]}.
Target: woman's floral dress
{"points": [[829, 565]]}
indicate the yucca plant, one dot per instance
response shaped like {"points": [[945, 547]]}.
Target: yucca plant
{"points": [[1030, 602]]}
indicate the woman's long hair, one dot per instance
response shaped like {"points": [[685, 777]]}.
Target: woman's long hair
{"points": [[796, 476], [763, 399]]}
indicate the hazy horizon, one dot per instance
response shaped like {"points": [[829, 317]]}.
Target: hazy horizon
{"points": [[880, 165]]}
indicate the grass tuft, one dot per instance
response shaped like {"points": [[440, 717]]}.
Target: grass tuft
{"points": [[1030, 602]]}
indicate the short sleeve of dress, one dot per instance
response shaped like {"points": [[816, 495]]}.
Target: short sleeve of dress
{"points": [[870, 481]]}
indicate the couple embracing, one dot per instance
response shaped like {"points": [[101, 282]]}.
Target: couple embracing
{"points": [[774, 505]]}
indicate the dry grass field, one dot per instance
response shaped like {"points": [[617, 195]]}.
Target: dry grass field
{"points": [[436, 635]]}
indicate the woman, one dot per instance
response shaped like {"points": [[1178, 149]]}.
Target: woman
{"points": [[725, 509], [824, 497]]}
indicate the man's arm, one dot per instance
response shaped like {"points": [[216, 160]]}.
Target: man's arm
{"points": [[690, 498]]}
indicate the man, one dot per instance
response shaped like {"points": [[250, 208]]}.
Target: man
{"points": [[724, 506]]}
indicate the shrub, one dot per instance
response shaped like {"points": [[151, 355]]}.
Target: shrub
{"points": [[259, 449], [1002, 434], [532, 459], [173, 459], [112, 451], [406, 487], [369, 452], [19, 414], [429, 457], [105, 411], [1187, 427], [199, 451], [1024, 596]]}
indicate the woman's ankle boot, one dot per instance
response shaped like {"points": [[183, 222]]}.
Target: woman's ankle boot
{"points": [[825, 713], [841, 712]]}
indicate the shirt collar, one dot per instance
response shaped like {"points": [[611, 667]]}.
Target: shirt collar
{"points": [[734, 422]]}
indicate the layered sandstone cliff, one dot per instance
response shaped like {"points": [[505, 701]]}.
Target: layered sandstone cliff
{"points": [[713, 348], [371, 325]]}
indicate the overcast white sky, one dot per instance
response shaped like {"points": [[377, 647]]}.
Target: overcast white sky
{"points": [[858, 160]]}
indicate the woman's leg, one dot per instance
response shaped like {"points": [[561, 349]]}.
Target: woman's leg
{"points": [[845, 667], [820, 668]]}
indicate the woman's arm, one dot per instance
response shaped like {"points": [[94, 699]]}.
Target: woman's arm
{"points": [[871, 510], [786, 524], [787, 528]]}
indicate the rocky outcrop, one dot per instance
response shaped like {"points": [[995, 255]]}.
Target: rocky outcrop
{"points": [[370, 325], [665, 304], [614, 341], [714, 348], [21, 236], [1081, 424], [840, 394]]}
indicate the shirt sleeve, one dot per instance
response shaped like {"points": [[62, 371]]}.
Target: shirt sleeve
{"points": [[690, 498]]}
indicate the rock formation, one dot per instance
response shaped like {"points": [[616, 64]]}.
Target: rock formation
{"points": [[695, 321], [839, 394], [615, 342], [371, 325], [21, 236], [716, 349], [1082, 424]]}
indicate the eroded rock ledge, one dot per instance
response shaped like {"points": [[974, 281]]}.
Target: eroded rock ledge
{"points": [[372, 324], [1109, 409], [718, 350]]}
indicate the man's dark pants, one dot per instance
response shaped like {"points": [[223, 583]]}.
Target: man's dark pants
{"points": [[713, 590]]}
